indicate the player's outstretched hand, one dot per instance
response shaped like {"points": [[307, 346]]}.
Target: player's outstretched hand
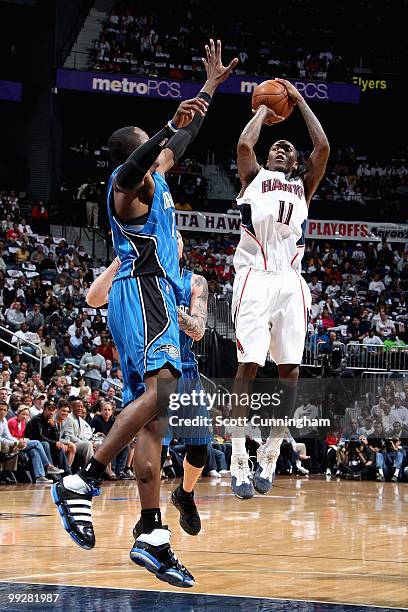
{"points": [[214, 68], [294, 94], [269, 116], [187, 110]]}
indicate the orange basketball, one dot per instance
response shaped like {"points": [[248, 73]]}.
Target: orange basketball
{"points": [[275, 96]]}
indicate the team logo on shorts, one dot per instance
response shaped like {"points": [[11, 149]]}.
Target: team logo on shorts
{"points": [[172, 350], [240, 347]]}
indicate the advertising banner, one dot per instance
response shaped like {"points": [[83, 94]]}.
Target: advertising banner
{"points": [[315, 229], [121, 84], [10, 90]]}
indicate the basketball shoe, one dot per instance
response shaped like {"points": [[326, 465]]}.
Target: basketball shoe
{"points": [[189, 518], [73, 498], [241, 477], [265, 469], [153, 552]]}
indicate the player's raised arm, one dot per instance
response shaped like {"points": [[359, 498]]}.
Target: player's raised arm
{"points": [[316, 164], [217, 73], [134, 173], [99, 290], [247, 163], [194, 324]]}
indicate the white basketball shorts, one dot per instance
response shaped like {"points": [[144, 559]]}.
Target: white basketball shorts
{"points": [[270, 313]]}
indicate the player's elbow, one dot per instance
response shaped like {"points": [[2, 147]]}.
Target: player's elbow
{"points": [[93, 302], [244, 146], [324, 147]]}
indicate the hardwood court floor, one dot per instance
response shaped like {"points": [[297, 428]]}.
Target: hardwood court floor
{"points": [[309, 539]]}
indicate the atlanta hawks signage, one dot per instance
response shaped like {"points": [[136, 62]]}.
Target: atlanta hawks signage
{"points": [[315, 229]]}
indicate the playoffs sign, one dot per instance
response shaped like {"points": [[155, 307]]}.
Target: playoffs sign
{"points": [[315, 229]]}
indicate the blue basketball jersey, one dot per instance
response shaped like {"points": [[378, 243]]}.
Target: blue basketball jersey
{"points": [[186, 343], [149, 249]]}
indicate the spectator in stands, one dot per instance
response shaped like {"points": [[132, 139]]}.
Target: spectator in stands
{"points": [[42, 427], [39, 215], [9, 448], [38, 404], [94, 366], [385, 326], [39, 460], [353, 431], [376, 285], [105, 349], [76, 430], [399, 412], [35, 319], [23, 336], [102, 423], [15, 317]]}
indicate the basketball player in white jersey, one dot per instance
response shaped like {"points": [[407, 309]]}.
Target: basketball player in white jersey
{"points": [[270, 298]]}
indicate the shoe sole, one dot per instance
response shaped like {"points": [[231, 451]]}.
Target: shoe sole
{"points": [[237, 494], [262, 488], [185, 527], [142, 558], [64, 520]]}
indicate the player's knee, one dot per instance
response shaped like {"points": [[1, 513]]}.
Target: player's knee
{"points": [[159, 389], [196, 454], [247, 370], [289, 372], [145, 471]]}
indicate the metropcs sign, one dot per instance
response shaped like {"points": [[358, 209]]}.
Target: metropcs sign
{"points": [[315, 229], [120, 84]]}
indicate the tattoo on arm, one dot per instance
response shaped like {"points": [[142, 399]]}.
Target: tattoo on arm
{"points": [[194, 324]]}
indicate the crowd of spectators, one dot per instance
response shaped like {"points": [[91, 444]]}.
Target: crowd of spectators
{"points": [[368, 443], [168, 42], [358, 293]]}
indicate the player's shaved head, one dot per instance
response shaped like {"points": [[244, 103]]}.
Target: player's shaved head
{"points": [[124, 141]]}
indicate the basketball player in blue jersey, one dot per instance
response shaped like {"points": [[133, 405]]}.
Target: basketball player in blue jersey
{"points": [[192, 318], [270, 298], [143, 320]]}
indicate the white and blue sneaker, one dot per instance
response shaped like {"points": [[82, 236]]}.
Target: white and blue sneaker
{"points": [[263, 477], [73, 497], [153, 552], [241, 477]]}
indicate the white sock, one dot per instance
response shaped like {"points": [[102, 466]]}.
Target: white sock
{"points": [[257, 436], [238, 446], [396, 471], [275, 438], [380, 471], [75, 483], [298, 463]]}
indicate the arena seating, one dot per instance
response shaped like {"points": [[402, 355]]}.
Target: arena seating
{"points": [[144, 41]]}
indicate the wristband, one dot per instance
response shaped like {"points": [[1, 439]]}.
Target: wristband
{"points": [[172, 127], [204, 96]]}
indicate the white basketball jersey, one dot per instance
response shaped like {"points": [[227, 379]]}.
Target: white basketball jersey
{"points": [[273, 218]]}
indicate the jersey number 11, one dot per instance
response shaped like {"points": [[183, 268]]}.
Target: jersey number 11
{"points": [[285, 213]]}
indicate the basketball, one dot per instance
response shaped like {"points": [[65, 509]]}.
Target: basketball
{"points": [[275, 96]]}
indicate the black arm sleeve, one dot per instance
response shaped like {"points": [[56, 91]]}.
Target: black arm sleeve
{"points": [[180, 141], [137, 165]]}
